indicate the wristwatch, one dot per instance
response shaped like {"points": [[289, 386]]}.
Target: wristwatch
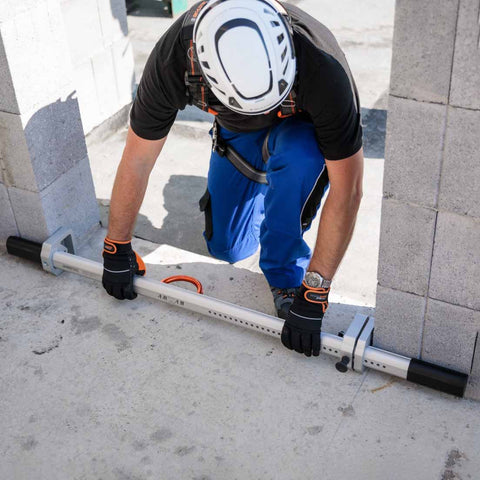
{"points": [[315, 280]]}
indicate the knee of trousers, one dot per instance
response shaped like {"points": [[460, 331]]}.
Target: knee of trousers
{"points": [[238, 252]]}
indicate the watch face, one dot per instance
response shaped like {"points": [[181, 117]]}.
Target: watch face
{"points": [[315, 280]]}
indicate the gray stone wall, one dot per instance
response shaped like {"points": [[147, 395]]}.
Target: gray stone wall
{"points": [[101, 56], [428, 300], [45, 178]]}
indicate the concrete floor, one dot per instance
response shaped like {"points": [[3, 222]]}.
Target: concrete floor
{"points": [[93, 388]]}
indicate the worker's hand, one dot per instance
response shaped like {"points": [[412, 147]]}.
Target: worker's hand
{"points": [[301, 331], [120, 264]]}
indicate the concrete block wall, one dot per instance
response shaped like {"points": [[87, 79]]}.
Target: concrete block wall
{"points": [[45, 180], [428, 300], [101, 55]]}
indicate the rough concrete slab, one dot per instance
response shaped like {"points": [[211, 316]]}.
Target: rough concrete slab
{"points": [[148, 390], [55, 139], [466, 63], [455, 276], [33, 38], [459, 190], [450, 335], [423, 43], [414, 149], [83, 28], [406, 243], [435, 437], [15, 159], [399, 319], [8, 226]]}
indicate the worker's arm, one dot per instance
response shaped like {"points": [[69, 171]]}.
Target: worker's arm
{"points": [[130, 185], [339, 214], [120, 262], [301, 331]]}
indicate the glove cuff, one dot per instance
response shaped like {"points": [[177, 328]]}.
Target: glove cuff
{"points": [[112, 247], [315, 295], [310, 302]]}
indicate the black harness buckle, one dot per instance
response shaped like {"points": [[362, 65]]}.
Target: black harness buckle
{"points": [[218, 144]]}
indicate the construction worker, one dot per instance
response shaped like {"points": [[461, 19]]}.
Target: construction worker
{"points": [[287, 126]]}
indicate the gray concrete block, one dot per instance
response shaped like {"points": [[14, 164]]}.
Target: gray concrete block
{"points": [[29, 214], [406, 241], [14, 155], [449, 335], [70, 201], [455, 276], [466, 63], [113, 19], [87, 96], [12, 8], [55, 139], [122, 54], [104, 72], [423, 44], [459, 188], [414, 151], [8, 226], [34, 39], [399, 318], [84, 31], [8, 99]]}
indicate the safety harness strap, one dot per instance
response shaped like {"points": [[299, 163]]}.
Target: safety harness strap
{"points": [[224, 150]]}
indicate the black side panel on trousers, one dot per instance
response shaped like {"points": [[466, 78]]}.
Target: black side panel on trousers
{"points": [[206, 206], [310, 208]]}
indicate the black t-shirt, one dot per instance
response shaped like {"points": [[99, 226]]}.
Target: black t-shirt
{"points": [[326, 92]]}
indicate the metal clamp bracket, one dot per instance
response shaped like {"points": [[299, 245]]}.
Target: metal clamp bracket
{"points": [[60, 241], [355, 340]]}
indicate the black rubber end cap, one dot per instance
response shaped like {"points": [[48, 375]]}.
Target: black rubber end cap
{"points": [[24, 249], [436, 377]]}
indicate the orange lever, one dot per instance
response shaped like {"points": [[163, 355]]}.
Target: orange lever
{"points": [[184, 278]]}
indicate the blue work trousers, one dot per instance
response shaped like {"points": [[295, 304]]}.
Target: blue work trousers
{"points": [[241, 214]]}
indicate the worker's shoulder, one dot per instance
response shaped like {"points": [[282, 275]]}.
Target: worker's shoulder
{"points": [[312, 37], [171, 45]]}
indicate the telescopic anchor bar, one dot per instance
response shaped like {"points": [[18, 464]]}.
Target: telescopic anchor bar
{"points": [[354, 349]]}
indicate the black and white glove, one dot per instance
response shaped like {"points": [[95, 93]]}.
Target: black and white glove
{"points": [[301, 331], [120, 264]]}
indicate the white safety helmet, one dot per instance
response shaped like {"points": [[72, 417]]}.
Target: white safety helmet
{"points": [[246, 54]]}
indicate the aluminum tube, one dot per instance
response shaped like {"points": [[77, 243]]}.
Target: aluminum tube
{"points": [[386, 362], [211, 307]]}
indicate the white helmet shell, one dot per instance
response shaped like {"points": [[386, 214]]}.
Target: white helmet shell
{"points": [[246, 54]]}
